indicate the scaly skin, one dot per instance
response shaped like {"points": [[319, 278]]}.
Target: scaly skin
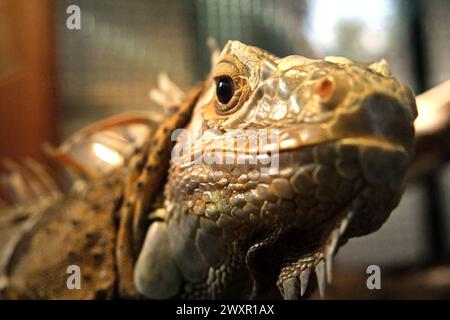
{"points": [[227, 230], [232, 231]]}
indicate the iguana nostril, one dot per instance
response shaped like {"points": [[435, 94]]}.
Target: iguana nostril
{"points": [[325, 89], [330, 91]]}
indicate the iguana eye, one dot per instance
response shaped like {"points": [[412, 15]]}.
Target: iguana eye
{"points": [[232, 90], [224, 89]]}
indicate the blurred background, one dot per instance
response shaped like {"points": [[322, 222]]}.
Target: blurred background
{"points": [[53, 81]]}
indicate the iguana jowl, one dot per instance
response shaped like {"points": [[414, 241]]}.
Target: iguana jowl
{"points": [[227, 229]]}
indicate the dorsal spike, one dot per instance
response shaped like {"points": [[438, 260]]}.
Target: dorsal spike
{"points": [[381, 67]]}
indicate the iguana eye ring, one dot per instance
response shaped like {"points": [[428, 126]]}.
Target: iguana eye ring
{"points": [[224, 89]]}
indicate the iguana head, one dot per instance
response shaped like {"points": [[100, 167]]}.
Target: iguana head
{"points": [[344, 142], [309, 101]]}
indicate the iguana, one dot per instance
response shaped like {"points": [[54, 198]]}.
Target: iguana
{"points": [[158, 221]]}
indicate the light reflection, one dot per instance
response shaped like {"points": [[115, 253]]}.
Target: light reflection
{"points": [[106, 154]]}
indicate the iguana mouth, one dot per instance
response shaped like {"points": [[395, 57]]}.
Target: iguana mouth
{"points": [[375, 159], [333, 182]]}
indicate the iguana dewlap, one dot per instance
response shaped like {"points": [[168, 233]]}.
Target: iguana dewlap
{"points": [[236, 227]]}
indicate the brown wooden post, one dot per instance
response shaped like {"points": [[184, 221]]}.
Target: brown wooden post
{"points": [[27, 78]]}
